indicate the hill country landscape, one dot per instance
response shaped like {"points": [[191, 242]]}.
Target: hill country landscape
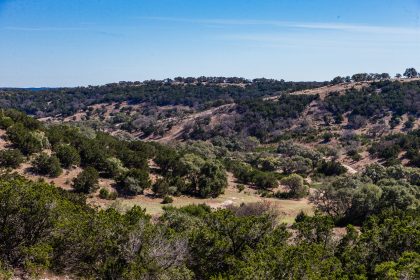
{"points": [[111, 170]]}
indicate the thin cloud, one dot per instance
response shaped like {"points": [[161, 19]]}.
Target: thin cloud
{"points": [[41, 29], [300, 25], [61, 29]]}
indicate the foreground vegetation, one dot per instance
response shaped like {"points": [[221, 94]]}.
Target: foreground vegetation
{"points": [[350, 157], [42, 227]]}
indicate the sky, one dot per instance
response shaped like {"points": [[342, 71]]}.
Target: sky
{"points": [[51, 43]]}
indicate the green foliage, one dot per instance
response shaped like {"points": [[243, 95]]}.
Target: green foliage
{"points": [[240, 187], [190, 174], [259, 116], [106, 194], [11, 158], [331, 168], [67, 155], [351, 200], [162, 187], [354, 155], [28, 142], [295, 185], [406, 267], [410, 73], [103, 193], [45, 228], [86, 181], [167, 199], [390, 147], [203, 92], [114, 167], [212, 180], [134, 182], [47, 165], [5, 272], [246, 174], [376, 100]]}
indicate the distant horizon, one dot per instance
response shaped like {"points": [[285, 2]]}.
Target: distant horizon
{"points": [[74, 43], [142, 81]]}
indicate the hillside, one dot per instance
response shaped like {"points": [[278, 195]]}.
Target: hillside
{"points": [[180, 165]]}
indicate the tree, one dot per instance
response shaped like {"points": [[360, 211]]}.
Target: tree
{"points": [[294, 184], [28, 142], [385, 76], [67, 155], [212, 180], [11, 158], [86, 181], [269, 163], [410, 73], [114, 168], [397, 197], [360, 77], [264, 180], [134, 182], [375, 172], [47, 165], [161, 187], [406, 267], [364, 203], [338, 80], [398, 76], [330, 168], [357, 121]]}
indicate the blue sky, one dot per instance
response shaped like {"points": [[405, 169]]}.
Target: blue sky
{"points": [[90, 42]]}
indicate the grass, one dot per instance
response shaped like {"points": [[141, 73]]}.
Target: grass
{"points": [[287, 209]]}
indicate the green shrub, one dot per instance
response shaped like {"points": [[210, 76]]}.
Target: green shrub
{"points": [[106, 194], [47, 165], [134, 182], [295, 185], [354, 155], [86, 181], [240, 187], [67, 155], [331, 168], [327, 136], [161, 187], [167, 199], [11, 158], [103, 193]]}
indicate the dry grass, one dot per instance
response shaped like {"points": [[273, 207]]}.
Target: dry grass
{"points": [[288, 209]]}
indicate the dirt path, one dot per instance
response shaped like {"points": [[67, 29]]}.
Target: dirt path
{"points": [[350, 169]]}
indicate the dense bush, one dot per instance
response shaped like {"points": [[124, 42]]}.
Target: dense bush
{"points": [[190, 174], [45, 228], [86, 181], [11, 158], [67, 101], [331, 168], [47, 165], [167, 199], [376, 100], [247, 174], [106, 194], [27, 141], [391, 146], [351, 200], [67, 155], [134, 182], [295, 185]]}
